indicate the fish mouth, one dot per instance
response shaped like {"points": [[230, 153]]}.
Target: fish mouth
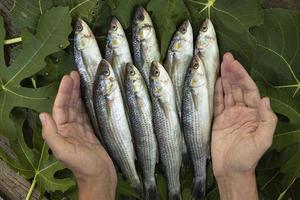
{"points": [[78, 25], [140, 13]]}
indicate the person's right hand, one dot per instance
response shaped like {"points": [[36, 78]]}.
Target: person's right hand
{"points": [[70, 136], [242, 130]]}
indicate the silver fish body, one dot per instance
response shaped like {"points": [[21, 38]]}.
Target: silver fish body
{"points": [[117, 52], [87, 58], [145, 45], [207, 47], [167, 127], [140, 112], [179, 57], [196, 122], [114, 125]]}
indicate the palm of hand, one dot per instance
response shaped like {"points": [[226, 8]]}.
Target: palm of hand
{"points": [[243, 125]]}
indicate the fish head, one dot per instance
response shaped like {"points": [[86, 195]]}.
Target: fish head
{"points": [[83, 35], [116, 35], [133, 77], [159, 78], [197, 73], [107, 78], [183, 35], [142, 25], [207, 35]]}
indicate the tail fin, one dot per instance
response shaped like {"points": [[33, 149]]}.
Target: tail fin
{"points": [[151, 192], [139, 190], [174, 196], [199, 189]]}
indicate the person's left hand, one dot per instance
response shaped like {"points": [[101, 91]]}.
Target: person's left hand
{"points": [[70, 136]]}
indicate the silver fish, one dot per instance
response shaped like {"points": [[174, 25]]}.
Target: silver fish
{"points": [[207, 46], [111, 115], [196, 122], [87, 58], [179, 57], [167, 127], [118, 52], [145, 45], [140, 112]]}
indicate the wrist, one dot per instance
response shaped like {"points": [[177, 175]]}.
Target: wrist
{"points": [[96, 188], [238, 186]]}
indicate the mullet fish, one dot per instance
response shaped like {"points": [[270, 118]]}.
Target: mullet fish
{"points": [[196, 122], [87, 58], [117, 51], [114, 125], [145, 45], [207, 46], [140, 112], [179, 57], [167, 127]]}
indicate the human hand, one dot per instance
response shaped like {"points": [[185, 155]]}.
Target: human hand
{"points": [[70, 136], [242, 130]]}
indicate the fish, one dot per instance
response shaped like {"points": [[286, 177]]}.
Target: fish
{"points": [[196, 122], [207, 46], [140, 113], [111, 115], [117, 51], [145, 44], [87, 58], [179, 57], [167, 127]]}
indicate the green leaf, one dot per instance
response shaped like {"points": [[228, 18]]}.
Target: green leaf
{"points": [[287, 133], [124, 10], [279, 41], [232, 20], [166, 16], [26, 13], [51, 36], [35, 163]]}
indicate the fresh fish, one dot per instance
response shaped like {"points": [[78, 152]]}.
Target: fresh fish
{"points": [[207, 46], [167, 127], [111, 115], [178, 59], [196, 122], [140, 112], [87, 58], [118, 52], [145, 45]]}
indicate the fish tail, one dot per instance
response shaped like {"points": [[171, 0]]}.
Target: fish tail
{"points": [[139, 189], [174, 195], [151, 192], [199, 188]]}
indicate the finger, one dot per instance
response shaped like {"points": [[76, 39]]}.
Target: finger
{"points": [[228, 57], [228, 98], [237, 94], [267, 124], [75, 112], [55, 141], [62, 101], [218, 98], [238, 76]]}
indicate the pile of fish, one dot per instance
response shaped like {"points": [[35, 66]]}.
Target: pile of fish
{"points": [[141, 108]]}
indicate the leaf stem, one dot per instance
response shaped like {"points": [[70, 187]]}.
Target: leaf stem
{"points": [[28, 196], [13, 41]]}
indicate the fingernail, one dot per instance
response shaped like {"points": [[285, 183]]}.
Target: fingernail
{"points": [[267, 103], [42, 118]]}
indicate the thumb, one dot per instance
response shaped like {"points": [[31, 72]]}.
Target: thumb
{"points": [[267, 125], [55, 141]]}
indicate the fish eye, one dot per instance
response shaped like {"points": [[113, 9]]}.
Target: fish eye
{"points": [[140, 16], [183, 29], [106, 73], [132, 73], [195, 65], [204, 28], [156, 73], [78, 27], [114, 27]]}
